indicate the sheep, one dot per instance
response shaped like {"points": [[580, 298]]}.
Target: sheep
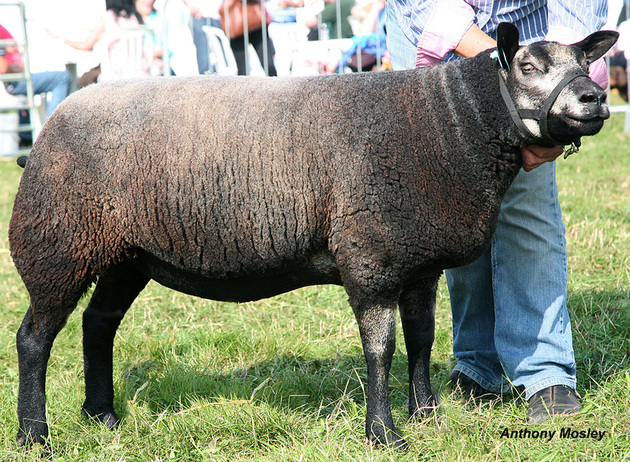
{"points": [[237, 189]]}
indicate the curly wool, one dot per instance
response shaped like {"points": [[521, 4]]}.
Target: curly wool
{"points": [[279, 182]]}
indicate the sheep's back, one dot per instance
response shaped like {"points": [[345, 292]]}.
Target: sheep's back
{"points": [[192, 171]]}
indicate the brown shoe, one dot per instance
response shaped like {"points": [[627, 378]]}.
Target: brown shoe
{"points": [[552, 401]]}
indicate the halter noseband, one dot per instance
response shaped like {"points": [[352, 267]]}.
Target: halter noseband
{"points": [[540, 115]]}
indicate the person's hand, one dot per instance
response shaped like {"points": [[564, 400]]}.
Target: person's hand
{"points": [[196, 13], [534, 156]]}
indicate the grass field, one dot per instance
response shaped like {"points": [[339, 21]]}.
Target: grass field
{"points": [[284, 378]]}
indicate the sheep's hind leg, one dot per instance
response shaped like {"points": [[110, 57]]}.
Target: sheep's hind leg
{"points": [[377, 327], [417, 313], [34, 341], [114, 293]]}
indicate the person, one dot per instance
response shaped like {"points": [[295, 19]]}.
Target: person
{"points": [[57, 83], [180, 46], [203, 13], [256, 38], [332, 21], [370, 39], [619, 57], [510, 319], [153, 21], [120, 14]]}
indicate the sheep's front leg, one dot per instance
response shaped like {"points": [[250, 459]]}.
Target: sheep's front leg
{"points": [[377, 328], [417, 313]]}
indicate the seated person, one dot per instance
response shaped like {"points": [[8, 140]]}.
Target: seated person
{"points": [[370, 42], [55, 82], [329, 17], [107, 32], [284, 11]]}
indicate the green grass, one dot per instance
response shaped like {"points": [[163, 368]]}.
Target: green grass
{"points": [[284, 378]]}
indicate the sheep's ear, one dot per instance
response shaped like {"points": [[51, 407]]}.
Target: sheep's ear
{"points": [[597, 44], [507, 44]]}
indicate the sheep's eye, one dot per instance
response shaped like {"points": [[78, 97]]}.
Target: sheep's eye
{"points": [[527, 68]]}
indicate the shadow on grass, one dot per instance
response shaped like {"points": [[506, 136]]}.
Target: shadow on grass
{"points": [[314, 387], [319, 386]]}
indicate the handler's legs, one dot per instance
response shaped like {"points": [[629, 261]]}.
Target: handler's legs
{"points": [[519, 287]]}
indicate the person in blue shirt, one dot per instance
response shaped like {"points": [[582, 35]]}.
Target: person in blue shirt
{"points": [[510, 320]]}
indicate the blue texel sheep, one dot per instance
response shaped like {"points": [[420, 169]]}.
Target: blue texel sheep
{"points": [[241, 188]]}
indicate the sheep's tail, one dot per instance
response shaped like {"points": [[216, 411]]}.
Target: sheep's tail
{"points": [[21, 161]]}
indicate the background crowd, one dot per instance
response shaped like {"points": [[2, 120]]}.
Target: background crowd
{"points": [[74, 43], [92, 32], [289, 37]]}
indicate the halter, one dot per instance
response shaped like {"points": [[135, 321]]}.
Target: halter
{"points": [[540, 115]]}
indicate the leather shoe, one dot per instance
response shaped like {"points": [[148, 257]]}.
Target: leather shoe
{"points": [[552, 401], [470, 388]]}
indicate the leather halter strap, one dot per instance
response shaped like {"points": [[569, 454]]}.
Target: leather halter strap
{"points": [[540, 115]]}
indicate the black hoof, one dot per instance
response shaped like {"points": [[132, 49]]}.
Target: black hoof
{"points": [[108, 418], [422, 410], [397, 443], [26, 439], [384, 437]]}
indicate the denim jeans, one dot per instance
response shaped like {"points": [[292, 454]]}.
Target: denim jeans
{"points": [[510, 319], [55, 82], [201, 42]]}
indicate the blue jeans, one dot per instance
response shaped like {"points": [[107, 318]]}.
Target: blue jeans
{"points": [[510, 319], [201, 42], [55, 82]]}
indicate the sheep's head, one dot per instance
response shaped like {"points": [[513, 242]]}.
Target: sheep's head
{"points": [[554, 100]]}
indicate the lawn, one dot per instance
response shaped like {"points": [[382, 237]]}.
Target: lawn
{"points": [[284, 378]]}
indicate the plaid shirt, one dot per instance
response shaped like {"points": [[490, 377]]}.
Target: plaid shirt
{"points": [[437, 26]]}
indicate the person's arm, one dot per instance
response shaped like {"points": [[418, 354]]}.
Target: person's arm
{"points": [[311, 22], [534, 156], [90, 41], [328, 14], [440, 26], [474, 42]]}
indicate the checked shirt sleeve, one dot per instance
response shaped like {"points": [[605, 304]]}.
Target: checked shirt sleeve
{"points": [[445, 23]]}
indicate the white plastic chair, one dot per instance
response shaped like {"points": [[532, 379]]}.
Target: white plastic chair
{"points": [[133, 57], [221, 56]]}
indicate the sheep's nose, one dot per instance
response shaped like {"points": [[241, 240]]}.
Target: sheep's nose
{"points": [[596, 103], [593, 96]]}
